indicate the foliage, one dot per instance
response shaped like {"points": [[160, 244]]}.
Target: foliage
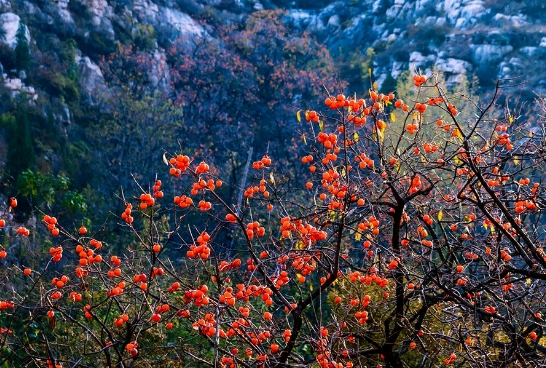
{"points": [[138, 118], [144, 37], [415, 240], [47, 189], [7, 57], [20, 155], [22, 49], [355, 67]]}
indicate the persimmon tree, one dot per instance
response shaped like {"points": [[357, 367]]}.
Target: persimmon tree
{"points": [[416, 240]]}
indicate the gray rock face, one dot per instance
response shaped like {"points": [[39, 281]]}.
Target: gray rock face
{"points": [[169, 22], [177, 23], [63, 11], [486, 54], [5, 5], [159, 74], [91, 78], [10, 23], [456, 37], [462, 13], [17, 87], [98, 8], [455, 70], [459, 38]]}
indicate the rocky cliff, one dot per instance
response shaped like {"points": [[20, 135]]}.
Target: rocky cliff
{"points": [[487, 39]]}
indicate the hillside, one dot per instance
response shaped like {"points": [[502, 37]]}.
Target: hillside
{"points": [[110, 85]]}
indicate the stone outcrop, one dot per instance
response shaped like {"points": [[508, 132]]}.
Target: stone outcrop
{"points": [[91, 78], [10, 24], [459, 38]]}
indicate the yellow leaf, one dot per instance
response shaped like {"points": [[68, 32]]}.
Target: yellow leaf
{"points": [[510, 119], [393, 117], [374, 83], [416, 118], [528, 281], [271, 178], [304, 139], [440, 215], [349, 109], [298, 116], [311, 287], [356, 137], [370, 71], [321, 125], [299, 245], [358, 236], [516, 161]]}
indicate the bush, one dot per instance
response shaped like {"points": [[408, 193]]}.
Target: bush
{"points": [[7, 57]]}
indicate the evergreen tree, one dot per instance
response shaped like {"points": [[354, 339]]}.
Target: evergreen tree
{"points": [[21, 153], [389, 84], [22, 50]]}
